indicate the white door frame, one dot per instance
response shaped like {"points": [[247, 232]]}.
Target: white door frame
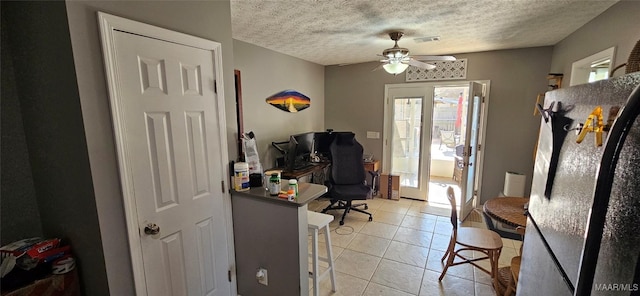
{"points": [[484, 110], [108, 24]]}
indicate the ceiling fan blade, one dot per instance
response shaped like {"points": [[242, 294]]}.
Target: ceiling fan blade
{"points": [[421, 65], [434, 58], [378, 67]]}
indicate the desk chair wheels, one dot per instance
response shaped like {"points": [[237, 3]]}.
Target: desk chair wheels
{"points": [[347, 206], [370, 219]]}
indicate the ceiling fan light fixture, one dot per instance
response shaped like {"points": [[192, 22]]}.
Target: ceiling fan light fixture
{"points": [[395, 68], [397, 58]]}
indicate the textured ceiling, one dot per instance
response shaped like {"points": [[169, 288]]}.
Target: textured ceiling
{"points": [[331, 32]]}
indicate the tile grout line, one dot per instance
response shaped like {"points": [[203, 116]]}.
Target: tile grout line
{"points": [[405, 214]]}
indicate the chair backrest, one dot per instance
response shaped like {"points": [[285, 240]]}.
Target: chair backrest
{"points": [[347, 165], [459, 150], [521, 230], [448, 138], [451, 196]]}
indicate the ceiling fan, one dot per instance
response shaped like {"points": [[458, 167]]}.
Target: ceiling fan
{"points": [[397, 59]]}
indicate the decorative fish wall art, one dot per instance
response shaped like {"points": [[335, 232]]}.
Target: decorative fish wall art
{"points": [[289, 101]]}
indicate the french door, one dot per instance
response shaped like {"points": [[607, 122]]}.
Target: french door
{"points": [[423, 132], [470, 153], [405, 136]]}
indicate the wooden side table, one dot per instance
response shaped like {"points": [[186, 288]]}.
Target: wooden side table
{"points": [[508, 210], [373, 168]]}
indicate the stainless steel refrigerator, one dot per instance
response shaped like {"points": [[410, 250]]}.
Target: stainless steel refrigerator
{"points": [[583, 229]]}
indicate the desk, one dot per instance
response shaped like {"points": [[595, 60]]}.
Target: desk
{"points": [[508, 210], [317, 171], [271, 232]]}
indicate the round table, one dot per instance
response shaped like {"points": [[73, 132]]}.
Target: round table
{"points": [[508, 210]]}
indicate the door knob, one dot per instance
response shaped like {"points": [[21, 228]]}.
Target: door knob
{"points": [[152, 229]]}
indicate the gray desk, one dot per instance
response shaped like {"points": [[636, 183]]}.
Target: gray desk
{"points": [[271, 233]]}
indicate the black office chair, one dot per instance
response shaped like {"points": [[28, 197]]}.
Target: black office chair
{"points": [[347, 181]]}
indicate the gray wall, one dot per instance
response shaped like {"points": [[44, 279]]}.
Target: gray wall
{"points": [[19, 215], [354, 101], [264, 73], [47, 92], [618, 26], [207, 19], [271, 243]]}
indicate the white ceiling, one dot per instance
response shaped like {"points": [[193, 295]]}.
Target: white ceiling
{"points": [[331, 32]]}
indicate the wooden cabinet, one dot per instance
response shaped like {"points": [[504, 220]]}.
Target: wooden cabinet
{"points": [[373, 166]]}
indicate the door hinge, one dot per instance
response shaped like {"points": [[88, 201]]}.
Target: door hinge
{"points": [[222, 185], [482, 99], [229, 275], [475, 193], [215, 86], [479, 147]]}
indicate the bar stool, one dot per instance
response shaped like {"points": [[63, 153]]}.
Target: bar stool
{"points": [[316, 222]]}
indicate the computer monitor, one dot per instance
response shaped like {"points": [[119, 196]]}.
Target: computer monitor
{"points": [[298, 151], [322, 141], [305, 144], [290, 154]]}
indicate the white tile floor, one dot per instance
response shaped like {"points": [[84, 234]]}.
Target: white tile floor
{"points": [[398, 253]]}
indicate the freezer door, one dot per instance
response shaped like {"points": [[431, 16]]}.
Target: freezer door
{"points": [[612, 244], [538, 273]]}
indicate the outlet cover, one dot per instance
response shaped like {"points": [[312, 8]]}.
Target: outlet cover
{"points": [[373, 135]]}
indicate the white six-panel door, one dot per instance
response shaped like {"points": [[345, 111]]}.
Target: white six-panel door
{"points": [[170, 144]]}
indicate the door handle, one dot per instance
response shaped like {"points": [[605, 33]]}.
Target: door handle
{"points": [[152, 229]]}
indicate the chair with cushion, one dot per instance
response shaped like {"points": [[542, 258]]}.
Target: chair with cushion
{"points": [[448, 138], [471, 239], [347, 181]]}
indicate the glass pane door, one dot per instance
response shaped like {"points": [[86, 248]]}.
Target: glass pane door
{"points": [[407, 152], [472, 106], [407, 139], [447, 142]]}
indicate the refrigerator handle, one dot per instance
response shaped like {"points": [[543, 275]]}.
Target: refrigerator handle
{"points": [[604, 180]]}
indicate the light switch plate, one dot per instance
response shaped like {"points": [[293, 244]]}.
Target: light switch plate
{"points": [[373, 135]]}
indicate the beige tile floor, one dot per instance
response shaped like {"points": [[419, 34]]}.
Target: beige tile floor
{"points": [[398, 253]]}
